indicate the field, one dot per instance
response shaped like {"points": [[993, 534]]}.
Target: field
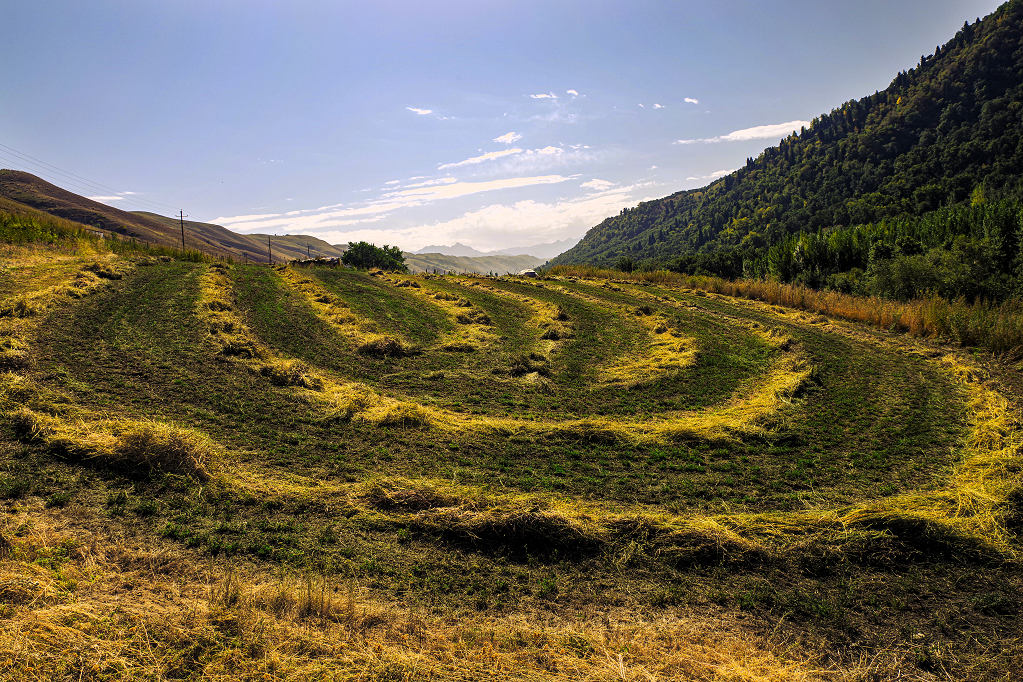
{"points": [[235, 471]]}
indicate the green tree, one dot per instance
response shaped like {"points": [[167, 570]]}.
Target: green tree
{"points": [[363, 255]]}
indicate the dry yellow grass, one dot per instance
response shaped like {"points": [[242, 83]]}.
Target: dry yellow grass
{"points": [[997, 327], [83, 603], [667, 350], [35, 283], [471, 330], [132, 446], [552, 324], [966, 512], [749, 413], [361, 333]]}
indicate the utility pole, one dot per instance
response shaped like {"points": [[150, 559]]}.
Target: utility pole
{"points": [[181, 216], [269, 253], [307, 257]]}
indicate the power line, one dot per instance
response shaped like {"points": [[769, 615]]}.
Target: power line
{"points": [[98, 186], [90, 185]]}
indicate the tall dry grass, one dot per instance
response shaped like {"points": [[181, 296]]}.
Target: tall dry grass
{"points": [[997, 327]]}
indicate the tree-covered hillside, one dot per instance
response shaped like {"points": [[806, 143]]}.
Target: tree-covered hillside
{"points": [[938, 133]]}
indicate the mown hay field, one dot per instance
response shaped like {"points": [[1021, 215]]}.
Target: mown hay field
{"points": [[225, 471]]}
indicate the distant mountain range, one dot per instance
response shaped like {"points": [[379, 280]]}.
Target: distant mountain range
{"points": [[498, 264], [544, 251]]}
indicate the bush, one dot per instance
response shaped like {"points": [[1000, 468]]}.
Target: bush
{"points": [[363, 255]]}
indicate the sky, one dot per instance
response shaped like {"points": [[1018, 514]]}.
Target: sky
{"points": [[493, 123]]}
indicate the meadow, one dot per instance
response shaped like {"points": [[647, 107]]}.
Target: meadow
{"points": [[235, 471]]}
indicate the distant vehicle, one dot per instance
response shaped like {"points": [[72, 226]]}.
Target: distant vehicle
{"points": [[527, 273]]}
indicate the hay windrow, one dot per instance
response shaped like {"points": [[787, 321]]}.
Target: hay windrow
{"points": [[470, 331], [128, 446], [330, 308]]}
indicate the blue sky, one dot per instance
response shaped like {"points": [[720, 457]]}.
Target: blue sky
{"points": [[494, 123]]}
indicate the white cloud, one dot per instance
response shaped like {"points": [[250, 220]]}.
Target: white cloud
{"points": [[691, 100], [339, 215], [597, 184], [430, 183], [544, 95], [521, 160], [473, 160], [771, 131], [711, 176], [421, 112], [504, 225], [461, 189], [508, 138], [574, 93], [106, 198], [658, 106], [393, 182], [641, 106]]}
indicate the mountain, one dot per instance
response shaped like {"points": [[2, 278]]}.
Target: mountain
{"points": [[456, 249], [546, 250], [25, 193], [498, 264], [938, 133], [300, 246], [542, 251], [252, 246], [26, 190], [208, 236]]}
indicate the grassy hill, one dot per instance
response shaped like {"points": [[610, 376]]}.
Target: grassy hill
{"points": [[439, 262], [237, 472], [25, 194], [937, 134]]}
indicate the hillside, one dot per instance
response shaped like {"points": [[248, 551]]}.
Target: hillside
{"points": [[439, 262], [300, 246], [33, 192], [251, 246], [456, 249], [931, 138], [27, 194]]}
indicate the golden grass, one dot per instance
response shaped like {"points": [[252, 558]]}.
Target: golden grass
{"points": [[131, 446], [965, 515], [82, 604], [330, 308], [471, 325], [552, 324], [349, 400], [666, 351], [38, 283]]}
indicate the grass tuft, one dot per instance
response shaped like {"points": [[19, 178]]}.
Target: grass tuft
{"points": [[291, 373], [132, 447], [388, 347]]}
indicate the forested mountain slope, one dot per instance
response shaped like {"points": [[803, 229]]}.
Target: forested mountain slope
{"points": [[935, 135]]}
